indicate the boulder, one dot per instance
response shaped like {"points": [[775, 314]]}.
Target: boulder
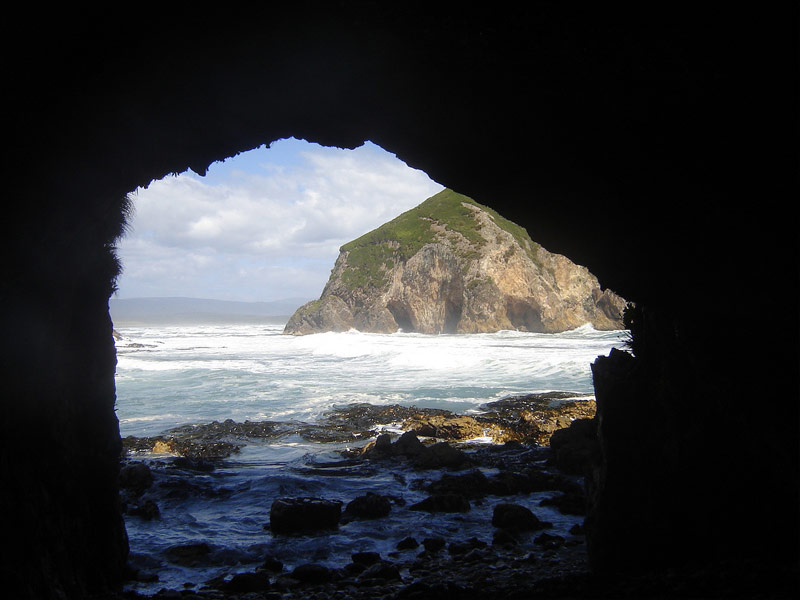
{"points": [[248, 582], [441, 456], [408, 445], [135, 477], [515, 517], [575, 448], [298, 515], [369, 506], [188, 554], [408, 543]]}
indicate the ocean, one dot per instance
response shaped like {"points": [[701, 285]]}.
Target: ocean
{"points": [[170, 376]]}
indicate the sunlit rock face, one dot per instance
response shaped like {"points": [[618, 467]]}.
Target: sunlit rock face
{"points": [[472, 273]]}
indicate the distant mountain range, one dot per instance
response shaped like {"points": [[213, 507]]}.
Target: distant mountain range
{"points": [[177, 310]]}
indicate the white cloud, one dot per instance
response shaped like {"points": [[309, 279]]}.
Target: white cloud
{"points": [[264, 225]]}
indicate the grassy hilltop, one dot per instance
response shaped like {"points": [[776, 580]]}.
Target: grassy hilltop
{"points": [[374, 254]]}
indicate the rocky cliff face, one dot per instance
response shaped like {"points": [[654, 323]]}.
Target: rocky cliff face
{"points": [[453, 266]]}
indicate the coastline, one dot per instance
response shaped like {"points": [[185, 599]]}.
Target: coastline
{"points": [[450, 464], [408, 527]]}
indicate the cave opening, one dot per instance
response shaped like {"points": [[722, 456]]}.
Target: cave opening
{"points": [[672, 132], [203, 392], [452, 315], [401, 316]]}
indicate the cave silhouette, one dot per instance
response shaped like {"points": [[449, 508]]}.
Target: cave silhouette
{"points": [[657, 148]]}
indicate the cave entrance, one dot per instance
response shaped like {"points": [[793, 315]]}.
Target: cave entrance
{"points": [[205, 375], [452, 315], [401, 316]]}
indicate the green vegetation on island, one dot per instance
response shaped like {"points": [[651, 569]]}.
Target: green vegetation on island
{"points": [[374, 254]]}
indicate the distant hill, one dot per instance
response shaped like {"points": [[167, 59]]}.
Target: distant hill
{"points": [[451, 265], [177, 310]]}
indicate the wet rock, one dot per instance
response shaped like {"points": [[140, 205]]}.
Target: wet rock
{"points": [[515, 517], [511, 483], [503, 537], [441, 456], [353, 569], [436, 456], [147, 510], [446, 427], [473, 484], [434, 544], [248, 582], [295, 515], [408, 445], [408, 543], [189, 554], [363, 417], [179, 444], [135, 477], [576, 448], [366, 558], [383, 443], [312, 573], [369, 506], [448, 503], [533, 418]]}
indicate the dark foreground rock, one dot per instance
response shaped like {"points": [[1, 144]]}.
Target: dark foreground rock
{"points": [[296, 515], [529, 419], [369, 506], [516, 518], [518, 557], [575, 448], [558, 573]]}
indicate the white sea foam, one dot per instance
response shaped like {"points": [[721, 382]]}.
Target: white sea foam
{"points": [[214, 372]]}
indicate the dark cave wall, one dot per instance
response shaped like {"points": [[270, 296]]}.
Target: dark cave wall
{"points": [[649, 148], [63, 532]]}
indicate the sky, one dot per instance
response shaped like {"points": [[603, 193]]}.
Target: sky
{"points": [[264, 225]]}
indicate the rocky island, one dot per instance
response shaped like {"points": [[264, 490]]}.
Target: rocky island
{"points": [[451, 265]]}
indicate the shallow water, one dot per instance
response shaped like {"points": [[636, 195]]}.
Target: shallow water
{"points": [[168, 376]]}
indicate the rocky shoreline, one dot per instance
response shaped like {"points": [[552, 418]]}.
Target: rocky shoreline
{"points": [[528, 419], [507, 463]]}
